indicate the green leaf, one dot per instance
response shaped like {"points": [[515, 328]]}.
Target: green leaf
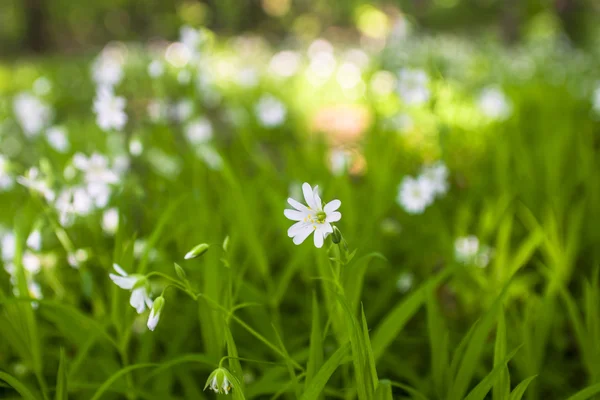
{"points": [[519, 391], [322, 377], [315, 355], [388, 330], [372, 368], [384, 391], [501, 388], [61, 379], [438, 341], [586, 393], [482, 389], [18, 386], [234, 363], [114, 377]]}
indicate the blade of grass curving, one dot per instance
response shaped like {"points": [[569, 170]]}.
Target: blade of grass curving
{"points": [[586, 393], [316, 386], [120, 373], [62, 389], [188, 358], [501, 387], [413, 392], [18, 386], [388, 330], [438, 341], [354, 278], [315, 355], [473, 350], [519, 391], [234, 363], [371, 367], [290, 366], [481, 390]]}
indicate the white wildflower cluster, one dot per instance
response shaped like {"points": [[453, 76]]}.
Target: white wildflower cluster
{"points": [[416, 194], [108, 72], [270, 111], [494, 104], [140, 297], [32, 264], [468, 250], [413, 86], [32, 113]]}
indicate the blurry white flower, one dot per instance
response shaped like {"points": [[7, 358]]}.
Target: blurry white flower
{"points": [[348, 75], [138, 284], [182, 110], [109, 110], [42, 86], [34, 289], [154, 317], [466, 248], [270, 111], [57, 138], [32, 113], [73, 202], [210, 156], [107, 70], [34, 240], [77, 258], [184, 77], [415, 195], [482, 259], [199, 131], [158, 111], [99, 193], [494, 104], [164, 164], [192, 38], [8, 246], [96, 168], [110, 221], [437, 174], [285, 63], [314, 218], [156, 69], [135, 146], [413, 86], [31, 262], [6, 181], [247, 77], [405, 282], [321, 67], [36, 182], [339, 161]]}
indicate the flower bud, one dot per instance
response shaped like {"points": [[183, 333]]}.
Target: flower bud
{"points": [[197, 251], [336, 236], [220, 381], [157, 307], [180, 272], [226, 243]]}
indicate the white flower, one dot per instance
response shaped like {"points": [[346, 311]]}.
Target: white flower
{"points": [[466, 248], [77, 258], [31, 262], [339, 161], [138, 286], [32, 113], [210, 156], [42, 86], [405, 282], [6, 181], [219, 381], [415, 194], [8, 243], [57, 138], [95, 168], [270, 111], [155, 312], [314, 218], [156, 69], [183, 110], [34, 181], [109, 110], [192, 39], [110, 221], [73, 202], [199, 131], [107, 70], [34, 240], [412, 86], [494, 104], [285, 64], [437, 174], [158, 110]]}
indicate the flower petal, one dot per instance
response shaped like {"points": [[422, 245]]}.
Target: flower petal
{"points": [[303, 234], [297, 228], [309, 196], [332, 206], [297, 205], [294, 215], [333, 217], [153, 320], [319, 239], [119, 270], [124, 282], [318, 201], [137, 300]]}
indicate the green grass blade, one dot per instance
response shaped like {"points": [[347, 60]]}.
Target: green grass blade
{"points": [[501, 387], [371, 367], [384, 391], [18, 386], [519, 391], [482, 389], [315, 355], [62, 390], [316, 386], [120, 373], [586, 393], [438, 341]]}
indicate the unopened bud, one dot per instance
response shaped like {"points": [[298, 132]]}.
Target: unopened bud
{"points": [[180, 272], [336, 236], [157, 307], [197, 251]]}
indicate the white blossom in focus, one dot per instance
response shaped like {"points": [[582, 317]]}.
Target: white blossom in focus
{"points": [[138, 284]]}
